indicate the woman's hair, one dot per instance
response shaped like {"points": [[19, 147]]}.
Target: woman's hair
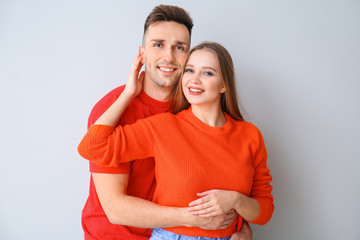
{"points": [[228, 100]]}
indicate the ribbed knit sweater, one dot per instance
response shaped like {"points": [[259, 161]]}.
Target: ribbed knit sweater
{"points": [[190, 157]]}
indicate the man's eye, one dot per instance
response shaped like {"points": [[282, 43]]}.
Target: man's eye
{"points": [[179, 48], [158, 45]]}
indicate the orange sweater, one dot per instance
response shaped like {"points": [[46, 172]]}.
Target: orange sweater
{"points": [[190, 157]]}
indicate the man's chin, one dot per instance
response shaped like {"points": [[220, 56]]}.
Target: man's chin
{"points": [[167, 83]]}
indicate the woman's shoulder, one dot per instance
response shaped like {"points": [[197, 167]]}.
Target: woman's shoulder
{"points": [[247, 127]]}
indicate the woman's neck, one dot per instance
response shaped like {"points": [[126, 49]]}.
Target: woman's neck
{"points": [[210, 115]]}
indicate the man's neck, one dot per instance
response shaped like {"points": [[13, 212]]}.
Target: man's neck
{"points": [[162, 94]]}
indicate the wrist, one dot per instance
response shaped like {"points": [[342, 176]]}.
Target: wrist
{"points": [[189, 220], [239, 202], [128, 94]]}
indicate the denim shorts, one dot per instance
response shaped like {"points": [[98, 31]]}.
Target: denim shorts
{"points": [[161, 234]]}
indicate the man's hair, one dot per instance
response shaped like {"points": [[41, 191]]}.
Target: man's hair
{"points": [[228, 100], [168, 13]]}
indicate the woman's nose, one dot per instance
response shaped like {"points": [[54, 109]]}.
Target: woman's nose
{"points": [[196, 78]]}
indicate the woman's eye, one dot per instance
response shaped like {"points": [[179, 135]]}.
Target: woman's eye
{"points": [[208, 73], [188, 70]]}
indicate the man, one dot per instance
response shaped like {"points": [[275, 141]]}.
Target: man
{"points": [[119, 204]]}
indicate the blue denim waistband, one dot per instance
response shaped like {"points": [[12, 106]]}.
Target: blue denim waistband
{"points": [[158, 233]]}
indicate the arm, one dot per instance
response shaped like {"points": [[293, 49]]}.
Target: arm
{"points": [[256, 208], [132, 211], [101, 142], [215, 202], [133, 87]]}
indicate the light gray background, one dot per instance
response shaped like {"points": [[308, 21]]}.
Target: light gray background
{"points": [[297, 65]]}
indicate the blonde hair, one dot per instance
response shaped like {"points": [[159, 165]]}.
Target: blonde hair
{"points": [[228, 100]]}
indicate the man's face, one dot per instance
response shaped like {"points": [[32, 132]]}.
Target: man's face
{"points": [[164, 52]]}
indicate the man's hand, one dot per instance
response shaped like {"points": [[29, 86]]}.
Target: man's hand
{"points": [[245, 233], [221, 221]]}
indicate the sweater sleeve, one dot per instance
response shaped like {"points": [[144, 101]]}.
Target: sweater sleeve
{"points": [[261, 188], [108, 146]]}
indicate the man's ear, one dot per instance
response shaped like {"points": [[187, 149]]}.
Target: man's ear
{"points": [[142, 52]]}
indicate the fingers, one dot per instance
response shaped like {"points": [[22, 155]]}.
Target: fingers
{"points": [[199, 201], [231, 215], [206, 210], [238, 236], [203, 208], [209, 212], [137, 64], [142, 76], [204, 193], [225, 224], [214, 211]]}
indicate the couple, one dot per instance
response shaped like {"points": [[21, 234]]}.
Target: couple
{"points": [[205, 146]]}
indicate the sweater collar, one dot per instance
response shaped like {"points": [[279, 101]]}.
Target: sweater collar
{"points": [[153, 103], [195, 121]]}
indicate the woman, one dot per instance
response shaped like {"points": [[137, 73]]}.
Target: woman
{"points": [[205, 145]]}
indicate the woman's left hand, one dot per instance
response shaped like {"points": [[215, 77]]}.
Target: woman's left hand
{"points": [[214, 202]]}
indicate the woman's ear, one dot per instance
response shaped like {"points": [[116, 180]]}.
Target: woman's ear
{"points": [[223, 90]]}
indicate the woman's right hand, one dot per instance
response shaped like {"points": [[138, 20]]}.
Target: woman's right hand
{"points": [[135, 81]]}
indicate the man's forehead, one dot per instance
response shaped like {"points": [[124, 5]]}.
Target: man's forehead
{"points": [[168, 32]]}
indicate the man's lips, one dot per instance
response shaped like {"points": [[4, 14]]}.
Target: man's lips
{"points": [[167, 70]]}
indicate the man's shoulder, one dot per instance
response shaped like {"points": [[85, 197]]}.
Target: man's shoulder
{"points": [[104, 103], [109, 98]]}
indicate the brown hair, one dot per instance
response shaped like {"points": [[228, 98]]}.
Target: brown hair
{"points": [[228, 100], [169, 13]]}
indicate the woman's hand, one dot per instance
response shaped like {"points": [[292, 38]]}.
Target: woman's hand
{"points": [[112, 115], [214, 202], [135, 81]]}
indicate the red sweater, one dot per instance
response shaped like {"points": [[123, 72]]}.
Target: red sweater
{"points": [[190, 157], [141, 184]]}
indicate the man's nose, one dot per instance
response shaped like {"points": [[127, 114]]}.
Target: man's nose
{"points": [[168, 54]]}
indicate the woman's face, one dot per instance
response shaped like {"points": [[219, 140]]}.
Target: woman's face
{"points": [[202, 81]]}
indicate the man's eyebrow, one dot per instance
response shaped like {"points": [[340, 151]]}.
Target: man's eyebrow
{"points": [[181, 43], [162, 41], [157, 40]]}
